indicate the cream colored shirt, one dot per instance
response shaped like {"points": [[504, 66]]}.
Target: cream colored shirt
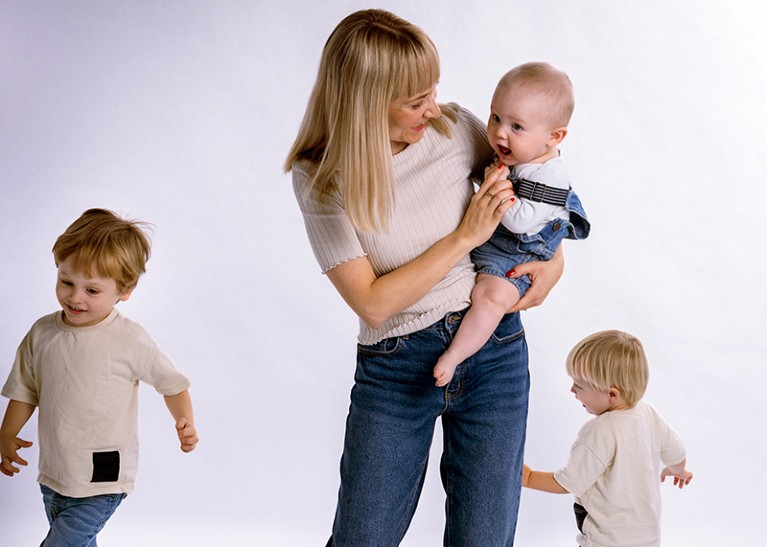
{"points": [[84, 381], [433, 186], [613, 471]]}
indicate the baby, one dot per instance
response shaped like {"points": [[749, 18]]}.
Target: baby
{"points": [[529, 113]]}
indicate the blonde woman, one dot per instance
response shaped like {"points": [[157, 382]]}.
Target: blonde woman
{"points": [[383, 176]]}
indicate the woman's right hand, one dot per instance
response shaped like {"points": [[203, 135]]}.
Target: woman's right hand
{"points": [[493, 198]]}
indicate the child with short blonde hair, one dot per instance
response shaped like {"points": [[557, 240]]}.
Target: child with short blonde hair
{"points": [[81, 366], [613, 466]]}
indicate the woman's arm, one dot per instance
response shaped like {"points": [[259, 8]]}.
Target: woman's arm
{"points": [[376, 299]]}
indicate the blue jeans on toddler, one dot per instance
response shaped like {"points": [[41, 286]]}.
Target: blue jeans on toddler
{"points": [[389, 430], [76, 521], [505, 250]]}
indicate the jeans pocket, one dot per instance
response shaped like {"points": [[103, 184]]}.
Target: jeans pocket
{"points": [[387, 346], [509, 330]]}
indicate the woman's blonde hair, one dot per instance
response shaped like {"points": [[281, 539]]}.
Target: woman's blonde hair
{"points": [[371, 59], [101, 243], [549, 82], [611, 358]]}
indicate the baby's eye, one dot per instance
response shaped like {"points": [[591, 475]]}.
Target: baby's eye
{"points": [[494, 118], [93, 292], [516, 127], [65, 283]]}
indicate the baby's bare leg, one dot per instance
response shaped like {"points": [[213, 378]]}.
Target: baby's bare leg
{"points": [[490, 300]]}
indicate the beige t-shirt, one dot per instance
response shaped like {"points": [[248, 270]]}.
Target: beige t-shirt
{"points": [[84, 381], [433, 186], [613, 471]]}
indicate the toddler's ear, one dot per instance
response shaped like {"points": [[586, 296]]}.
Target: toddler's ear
{"points": [[126, 295]]}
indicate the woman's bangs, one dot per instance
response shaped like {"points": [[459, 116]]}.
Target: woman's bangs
{"points": [[419, 70]]}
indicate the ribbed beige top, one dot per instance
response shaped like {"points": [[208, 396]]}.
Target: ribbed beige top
{"points": [[433, 185]]}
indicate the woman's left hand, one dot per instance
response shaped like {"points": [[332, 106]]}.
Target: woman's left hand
{"points": [[544, 275]]}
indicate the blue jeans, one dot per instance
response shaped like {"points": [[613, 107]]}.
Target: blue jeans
{"points": [[76, 521], [394, 407]]}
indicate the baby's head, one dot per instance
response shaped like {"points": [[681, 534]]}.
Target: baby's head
{"points": [[529, 113], [101, 243], [610, 360]]}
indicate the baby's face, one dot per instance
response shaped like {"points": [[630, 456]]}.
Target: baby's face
{"points": [[85, 300], [518, 128]]}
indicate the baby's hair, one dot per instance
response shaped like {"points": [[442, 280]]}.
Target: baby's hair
{"points": [[551, 83], [100, 242], [611, 358]]}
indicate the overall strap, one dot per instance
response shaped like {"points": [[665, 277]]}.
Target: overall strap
{"points": [[536, 191]]}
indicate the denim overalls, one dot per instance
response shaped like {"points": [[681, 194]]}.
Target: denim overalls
{"points": [[505, 250]]}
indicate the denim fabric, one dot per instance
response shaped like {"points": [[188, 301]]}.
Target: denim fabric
{"points": [[76, 521], [389, 430], [505, 250]]}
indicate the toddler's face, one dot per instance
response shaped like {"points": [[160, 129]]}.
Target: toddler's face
{"points": [[518, 128], [593, 400], [85, 300]]}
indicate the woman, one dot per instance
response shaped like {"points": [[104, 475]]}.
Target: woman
{"points": [[383, 176]]}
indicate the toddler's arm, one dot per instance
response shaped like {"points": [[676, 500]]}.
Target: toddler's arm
{"points": [[180, 407], [682, 476], [16, 415], [541, 480]]}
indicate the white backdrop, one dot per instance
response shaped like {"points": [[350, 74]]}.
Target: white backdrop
{"points": [[181, 113]]}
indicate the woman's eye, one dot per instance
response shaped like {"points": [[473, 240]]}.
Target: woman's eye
{"points": [[416, 106]]}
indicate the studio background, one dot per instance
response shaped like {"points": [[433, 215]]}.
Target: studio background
{"points": [[181, 113]]}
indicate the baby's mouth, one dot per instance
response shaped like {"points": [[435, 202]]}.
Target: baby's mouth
{"points": [[503, 150]]}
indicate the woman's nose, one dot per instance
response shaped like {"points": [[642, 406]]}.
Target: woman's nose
{"points": [[432, 108]]}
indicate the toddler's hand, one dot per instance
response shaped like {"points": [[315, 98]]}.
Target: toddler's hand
{"points": [[9, 455], [526, 471], [681, 478], [187, 434]]}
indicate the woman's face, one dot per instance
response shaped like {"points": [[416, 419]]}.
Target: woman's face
{"points": [[408, 117]]}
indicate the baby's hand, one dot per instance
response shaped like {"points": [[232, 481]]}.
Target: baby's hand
{"points": [[9, 455], [187, 434], [681, 478]]}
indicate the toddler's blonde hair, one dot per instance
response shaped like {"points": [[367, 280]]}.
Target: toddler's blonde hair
{"points": [[101, 243], [611, 358]]}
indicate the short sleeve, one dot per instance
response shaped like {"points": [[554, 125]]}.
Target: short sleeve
{"points": [[582, 471], [331, 234], [21, 385]]}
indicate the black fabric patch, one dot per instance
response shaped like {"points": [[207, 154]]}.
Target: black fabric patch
{"points": [[106, 466], [580, 515]]}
